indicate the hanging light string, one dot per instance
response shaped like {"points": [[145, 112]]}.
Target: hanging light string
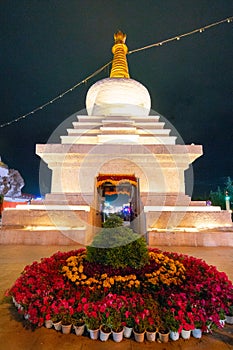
{"points": [[160, 43], [178, 37], [57, 97]]}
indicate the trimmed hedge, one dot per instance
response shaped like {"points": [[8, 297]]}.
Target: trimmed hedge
{"points": [[118, 246]]}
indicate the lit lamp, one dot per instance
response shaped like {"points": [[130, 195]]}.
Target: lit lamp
{"points": [[227, 199]]}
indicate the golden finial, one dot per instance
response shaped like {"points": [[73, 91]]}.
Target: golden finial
{"points": [[119, 63]]}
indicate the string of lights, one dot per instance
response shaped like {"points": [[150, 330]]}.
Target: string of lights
{"points": [[57, 97], [99, 70], [178, 37]]}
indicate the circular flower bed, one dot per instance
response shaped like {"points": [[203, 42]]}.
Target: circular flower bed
{"points": [[171, 291]]}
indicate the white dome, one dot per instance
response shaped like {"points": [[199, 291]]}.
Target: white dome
{"points": [[118, 97]]}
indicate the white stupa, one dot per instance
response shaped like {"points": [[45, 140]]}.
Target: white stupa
{"points": [[119, 157]]}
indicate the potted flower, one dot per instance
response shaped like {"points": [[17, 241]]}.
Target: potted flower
{"points": [[229, 315], [173, 325], [128, 323], [199, 320], [92, 319], [78, 323], [140, 325], [163, 331], [208, 326], [66, 323], [78, 319], [222, 317], [105, 332], [56, 320], [114, 322], [48, 321], [105, 328], [187, 323], [199, 325], [112, 310], [151, 329]]}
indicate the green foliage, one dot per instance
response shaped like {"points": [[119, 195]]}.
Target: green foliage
{"points": [[218, 197], [113, 221], [171, 322], [118, 247]]}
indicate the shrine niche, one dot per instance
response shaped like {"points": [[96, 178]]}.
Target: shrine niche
{"points": [[117, 194]]}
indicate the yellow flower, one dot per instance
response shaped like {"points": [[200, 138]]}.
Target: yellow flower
{"points": [[106, 284]]}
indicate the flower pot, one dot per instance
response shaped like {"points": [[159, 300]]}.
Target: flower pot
{"points": [[94, 334], [66, 328], [57, 325], [163, 336], [229, 319], [185, 334], [197, 333], [117, 336], [103, 334], [174, 335], [208, 327], [139, 337], [15, 302], [127, 332], [79, 330], [48, 323], [150, 336], [222, 323]]}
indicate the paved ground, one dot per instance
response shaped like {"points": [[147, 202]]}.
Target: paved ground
{"points": [[14, 336]]}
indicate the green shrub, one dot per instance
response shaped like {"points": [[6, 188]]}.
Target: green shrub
{"points": [[113, 221], [118, 247]]}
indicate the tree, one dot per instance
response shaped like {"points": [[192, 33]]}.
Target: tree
{"points": [[229, 187], [218, 197]]}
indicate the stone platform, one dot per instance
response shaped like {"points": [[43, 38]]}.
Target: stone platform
{"points": [[67, 224], [222, 237]]}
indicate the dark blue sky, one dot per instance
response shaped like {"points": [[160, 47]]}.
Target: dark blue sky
{"points": [[47, 46]]}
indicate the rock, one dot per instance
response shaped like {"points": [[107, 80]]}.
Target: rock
{"points": [[11, 182]]}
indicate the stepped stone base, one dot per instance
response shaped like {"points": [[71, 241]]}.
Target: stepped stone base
{"points": [[218, 238], [69, 224], [42, 217], [41, 224], [215, 238], [43, 237], [189, 218]]}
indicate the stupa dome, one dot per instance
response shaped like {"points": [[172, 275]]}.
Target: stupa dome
{"points": [[118, 95]]}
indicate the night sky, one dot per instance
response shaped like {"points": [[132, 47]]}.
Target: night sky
{"points": [[47, 46]]}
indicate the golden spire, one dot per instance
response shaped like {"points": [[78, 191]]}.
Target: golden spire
{"points": [[119, 63]]}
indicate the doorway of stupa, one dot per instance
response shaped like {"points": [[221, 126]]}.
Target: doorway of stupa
{"points": [[119, 194]]}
